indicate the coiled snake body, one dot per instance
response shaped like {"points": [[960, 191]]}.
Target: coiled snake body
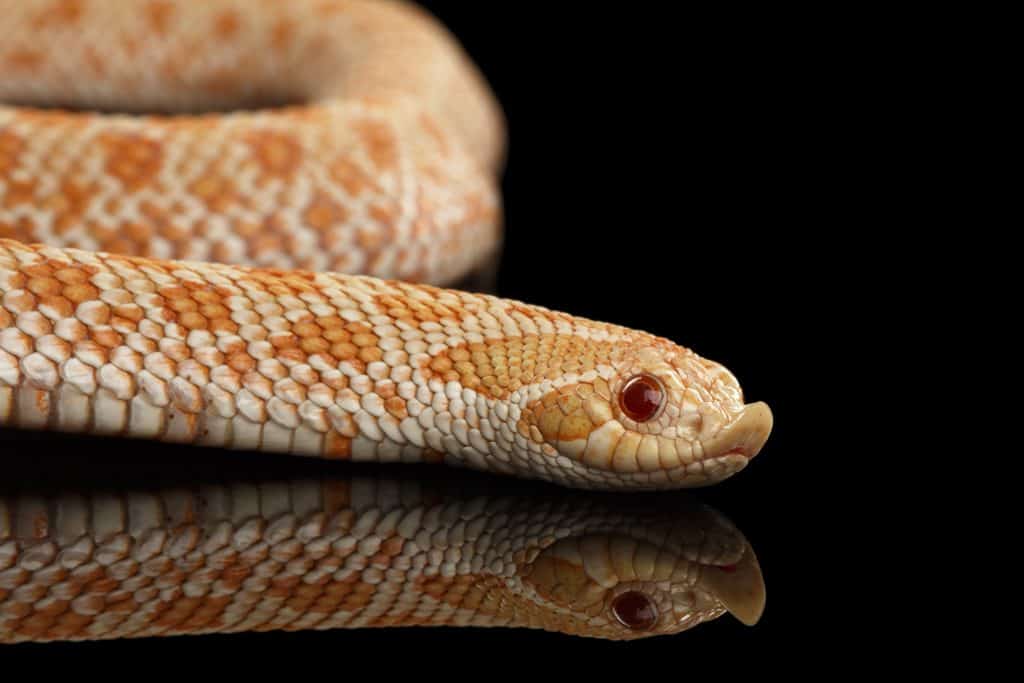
{"points": [[383, 163]]}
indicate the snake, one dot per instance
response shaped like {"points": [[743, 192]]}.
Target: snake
{"points": [[236, 224], [220, 554]]}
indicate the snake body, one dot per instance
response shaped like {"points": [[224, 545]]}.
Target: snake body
{"points": [[293, 554], [384, 163], [381, 159]]}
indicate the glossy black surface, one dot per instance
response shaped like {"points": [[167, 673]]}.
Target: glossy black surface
{"points": [[667, 174]]}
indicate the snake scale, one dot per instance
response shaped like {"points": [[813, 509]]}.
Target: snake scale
{"points": [[228, 223]]}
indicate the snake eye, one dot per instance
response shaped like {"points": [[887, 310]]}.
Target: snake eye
{"points": [[635, 611], [641, 398]]}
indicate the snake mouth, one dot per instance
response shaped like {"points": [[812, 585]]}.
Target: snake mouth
{"points": [[744, 437]]}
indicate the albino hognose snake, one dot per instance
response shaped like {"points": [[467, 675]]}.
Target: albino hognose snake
{"points": [[384, 162]]}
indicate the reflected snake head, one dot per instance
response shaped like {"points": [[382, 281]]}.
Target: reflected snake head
{"points": [[647, 577], [656, 416]]}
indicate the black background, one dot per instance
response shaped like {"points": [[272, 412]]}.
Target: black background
{"points": [[681, 175]]}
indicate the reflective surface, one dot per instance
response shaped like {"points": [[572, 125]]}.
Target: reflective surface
{"points": [[209, 544], [710, 250]]}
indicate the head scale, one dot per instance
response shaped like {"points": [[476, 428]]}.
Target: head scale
{"points": [[654, 415]]}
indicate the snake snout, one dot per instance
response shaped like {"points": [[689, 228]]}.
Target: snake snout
{"points": [[745, 436]]}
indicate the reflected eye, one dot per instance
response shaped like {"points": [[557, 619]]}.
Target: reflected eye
{"points": [[641, 398], [635, 611]]}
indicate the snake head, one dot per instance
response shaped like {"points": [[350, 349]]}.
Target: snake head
{"points": [[656, 416], [655, 577]]}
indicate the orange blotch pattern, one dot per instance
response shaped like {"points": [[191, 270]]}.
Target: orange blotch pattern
{"points": [[278, 155], [133, 159]]}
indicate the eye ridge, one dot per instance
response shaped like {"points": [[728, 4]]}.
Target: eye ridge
{"points": [[642, 397], [635, 610]]}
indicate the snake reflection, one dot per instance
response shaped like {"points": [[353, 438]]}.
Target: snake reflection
{"points": [[201, 556]]}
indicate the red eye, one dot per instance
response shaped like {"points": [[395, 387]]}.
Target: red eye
{"points": [[635, 611], [641, 398]]}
